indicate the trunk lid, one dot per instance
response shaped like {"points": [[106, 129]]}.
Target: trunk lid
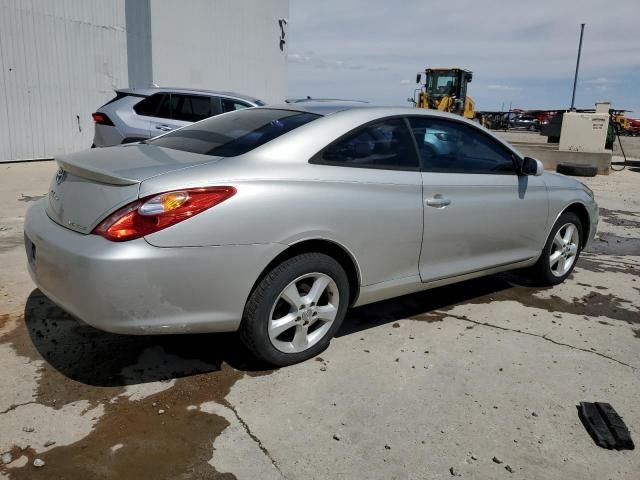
{"points": [[92, 184]]}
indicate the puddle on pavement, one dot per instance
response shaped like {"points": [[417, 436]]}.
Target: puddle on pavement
{"points": [[177, 444], [613, 217], [85, 363], [610, 244], [596, 264]]}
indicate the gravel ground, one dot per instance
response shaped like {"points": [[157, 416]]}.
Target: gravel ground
{"points": [[479, 380]]}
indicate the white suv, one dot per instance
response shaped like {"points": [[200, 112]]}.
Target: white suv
{"points": [[140, 113]]}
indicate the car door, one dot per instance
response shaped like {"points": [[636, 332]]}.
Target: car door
{"points": [[178, 110], [479, 213], [372, 198]]}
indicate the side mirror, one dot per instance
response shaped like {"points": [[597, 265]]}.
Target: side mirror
{"points": [[418, 77], [531, 166]]}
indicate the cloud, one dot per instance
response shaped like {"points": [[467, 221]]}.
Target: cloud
{"points": [[598, 81], [600, 84], [327, 63], [405, 82], [530, 50], [501, 87], [297, 58]]}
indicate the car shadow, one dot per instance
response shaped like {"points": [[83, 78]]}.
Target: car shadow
{"points": [[94, 357], [98, 358], [425, 305]]}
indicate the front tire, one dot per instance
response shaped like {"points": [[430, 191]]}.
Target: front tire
{"points": [[561, 252], [295, 309]]}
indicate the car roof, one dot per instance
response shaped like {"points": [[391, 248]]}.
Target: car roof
{"points": [[150, 91], [321, 107], [359, 114], [326, 108]]}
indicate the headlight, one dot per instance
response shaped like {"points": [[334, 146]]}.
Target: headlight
{"points": [[587, 190]]}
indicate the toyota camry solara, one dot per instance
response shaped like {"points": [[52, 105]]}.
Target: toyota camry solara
{"points": [[274, 221]]}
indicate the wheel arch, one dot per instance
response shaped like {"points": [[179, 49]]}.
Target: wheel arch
{"points": [[583, 214], [320, 245]]}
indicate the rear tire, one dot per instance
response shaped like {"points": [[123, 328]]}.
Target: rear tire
{"points": [[295, 309], [560, 253]]}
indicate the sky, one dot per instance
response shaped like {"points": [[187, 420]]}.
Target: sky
{"points": [[521, 53]]}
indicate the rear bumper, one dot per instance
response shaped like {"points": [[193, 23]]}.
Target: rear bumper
{"points": [[135, 288]]}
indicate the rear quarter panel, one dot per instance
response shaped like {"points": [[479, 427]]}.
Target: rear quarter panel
{"points": [[376, 215]]}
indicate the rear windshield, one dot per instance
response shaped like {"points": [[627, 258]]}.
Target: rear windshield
{"points": [[234, 133]]}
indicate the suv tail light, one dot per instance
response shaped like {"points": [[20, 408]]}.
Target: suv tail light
{"points": [[150, 214], [101, 119]]}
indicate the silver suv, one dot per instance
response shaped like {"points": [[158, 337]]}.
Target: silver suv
{"points": [[140, 113]]}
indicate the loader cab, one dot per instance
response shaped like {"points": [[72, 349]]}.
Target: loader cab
{"points": [[445, 82]]}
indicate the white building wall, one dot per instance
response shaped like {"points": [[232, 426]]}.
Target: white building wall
{"points": [[229, 45], [59, 61]]}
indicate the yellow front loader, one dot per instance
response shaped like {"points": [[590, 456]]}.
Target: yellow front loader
{"points": [[445, 89]]}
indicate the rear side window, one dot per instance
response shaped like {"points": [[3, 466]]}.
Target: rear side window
{"points": [[229, 105], [149, 105], [190, 108], [236, 133], [386, 145]]}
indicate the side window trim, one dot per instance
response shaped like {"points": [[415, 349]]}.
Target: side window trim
{"points": [[508, 152], [317, 159], [216, 106], [414, 143]]}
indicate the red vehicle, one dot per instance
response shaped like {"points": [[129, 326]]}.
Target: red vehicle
{"points": [[634, 127]]}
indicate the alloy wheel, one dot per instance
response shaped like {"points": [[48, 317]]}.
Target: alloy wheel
{"points": [[564, 249], [303, 312]]}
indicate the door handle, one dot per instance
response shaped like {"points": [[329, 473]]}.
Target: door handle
{"points": [[438, 201], [164, 128]]}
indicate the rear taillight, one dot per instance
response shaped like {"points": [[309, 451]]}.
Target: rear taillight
{"points": [[101, 119], [150, 214]]}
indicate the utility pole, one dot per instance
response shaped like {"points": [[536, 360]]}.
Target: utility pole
{"points": [[575, 78]]}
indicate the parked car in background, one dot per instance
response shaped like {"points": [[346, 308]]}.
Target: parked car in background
{"points": [[136, 114], [275, 220], [525, 122]]}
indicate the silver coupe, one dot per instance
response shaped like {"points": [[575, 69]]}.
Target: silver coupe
{"points": [[273, 221]]}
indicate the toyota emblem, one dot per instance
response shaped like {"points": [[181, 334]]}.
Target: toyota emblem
{"points": [[60, 176]]}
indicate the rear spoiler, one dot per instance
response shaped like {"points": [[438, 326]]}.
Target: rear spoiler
{"points": [[125, 92], [93, 173], [130, 92]]}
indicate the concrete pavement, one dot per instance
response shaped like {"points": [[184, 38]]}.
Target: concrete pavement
{"points": [[427, 386]]}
